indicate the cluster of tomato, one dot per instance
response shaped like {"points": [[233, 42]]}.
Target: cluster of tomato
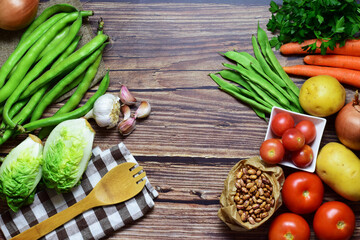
{"points": [[292, 139], [302, 194]]}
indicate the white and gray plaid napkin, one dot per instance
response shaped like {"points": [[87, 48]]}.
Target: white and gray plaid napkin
{"points": [[93, 224]]}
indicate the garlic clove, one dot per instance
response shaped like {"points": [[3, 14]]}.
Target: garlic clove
{"points": [[126, 97], [143, 110], [125, 110], [126, 127]]}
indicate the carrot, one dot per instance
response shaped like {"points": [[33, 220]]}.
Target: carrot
{"points": [[351, 48], [344, 76], [340, 61]]}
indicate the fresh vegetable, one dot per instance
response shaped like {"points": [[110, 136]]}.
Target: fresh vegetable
{"points": [[77, 113], [302, 192], [143, 111], [127, 126], [350, 48], [106, 111], [322, 96], [272, 151], [345, 76], [339, 168], [126, 97], [347, 124], [67, 151], [307, 128], [45, 15], [293, 139], [281, 122], [303, 157], [339, 61], [260, 81], [296, 21], [15, 15], [289, 226], [21, 79], [334, 220], [21, 172]]}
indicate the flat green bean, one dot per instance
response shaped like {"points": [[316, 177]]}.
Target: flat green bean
{"points": [[40, 66], [253, 77], [22, 48], [45, 15], [263, 40], [240, 97], [66, 64], [264, 65], [79, 112]]}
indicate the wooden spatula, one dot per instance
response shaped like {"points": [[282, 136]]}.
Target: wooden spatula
{"points": [[118, 185]]}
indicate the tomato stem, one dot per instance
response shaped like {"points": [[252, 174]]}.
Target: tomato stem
{"points": [[340, 224], [289, 236]]}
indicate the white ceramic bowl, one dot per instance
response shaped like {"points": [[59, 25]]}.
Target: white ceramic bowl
{"points": [[320, 126]]}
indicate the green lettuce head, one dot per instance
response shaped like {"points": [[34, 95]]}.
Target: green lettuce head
{"points": [[20, 173], [67, 152]]}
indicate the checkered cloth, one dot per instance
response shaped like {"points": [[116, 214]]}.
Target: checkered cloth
{"points": [[93, 224]]}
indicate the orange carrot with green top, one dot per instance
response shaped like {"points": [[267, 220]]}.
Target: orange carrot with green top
{"points": [[344, 76], [351, 48], [340, 61]]}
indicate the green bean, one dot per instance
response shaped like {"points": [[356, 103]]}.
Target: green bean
{"points": [[39, 67], [76, 97], [239, 58], [253, 77], [69, 50], [66, 64], [22, 48], [24, 114], [45, 15], [79, 112], [55, 42], [223, 86], [53, 93], [69, 87], [263, 39], [264, 66], [236, 77], [27, 61]]}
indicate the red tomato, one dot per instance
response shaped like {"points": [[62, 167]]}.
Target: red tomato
{"points": [[289, 226], [334, 221], [293, 139], [308, 129], [303, 157], [302, 192], [272, 151], [281, 122]]}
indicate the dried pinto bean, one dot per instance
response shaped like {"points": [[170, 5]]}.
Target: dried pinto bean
{"points": [[254, 197]]}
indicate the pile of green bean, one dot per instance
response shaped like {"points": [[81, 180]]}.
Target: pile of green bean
{"points": [[46, 64], [260, 81]]}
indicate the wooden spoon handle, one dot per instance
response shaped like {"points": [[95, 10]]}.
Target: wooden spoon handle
{"points": [[56, 220]]}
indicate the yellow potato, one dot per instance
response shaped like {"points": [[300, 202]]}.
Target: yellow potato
{"points": [[322, 96], [339, 168]]}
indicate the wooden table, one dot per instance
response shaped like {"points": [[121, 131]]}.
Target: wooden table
{"points": [[164, 52]]}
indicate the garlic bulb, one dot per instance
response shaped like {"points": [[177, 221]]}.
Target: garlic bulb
{"points": [[106, 111], [126, 97]]}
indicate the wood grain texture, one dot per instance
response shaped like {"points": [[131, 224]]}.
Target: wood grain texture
{"points": [[164, 52]]}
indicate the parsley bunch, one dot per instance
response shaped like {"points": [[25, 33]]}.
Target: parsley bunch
{"points": [[331, 20]]}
